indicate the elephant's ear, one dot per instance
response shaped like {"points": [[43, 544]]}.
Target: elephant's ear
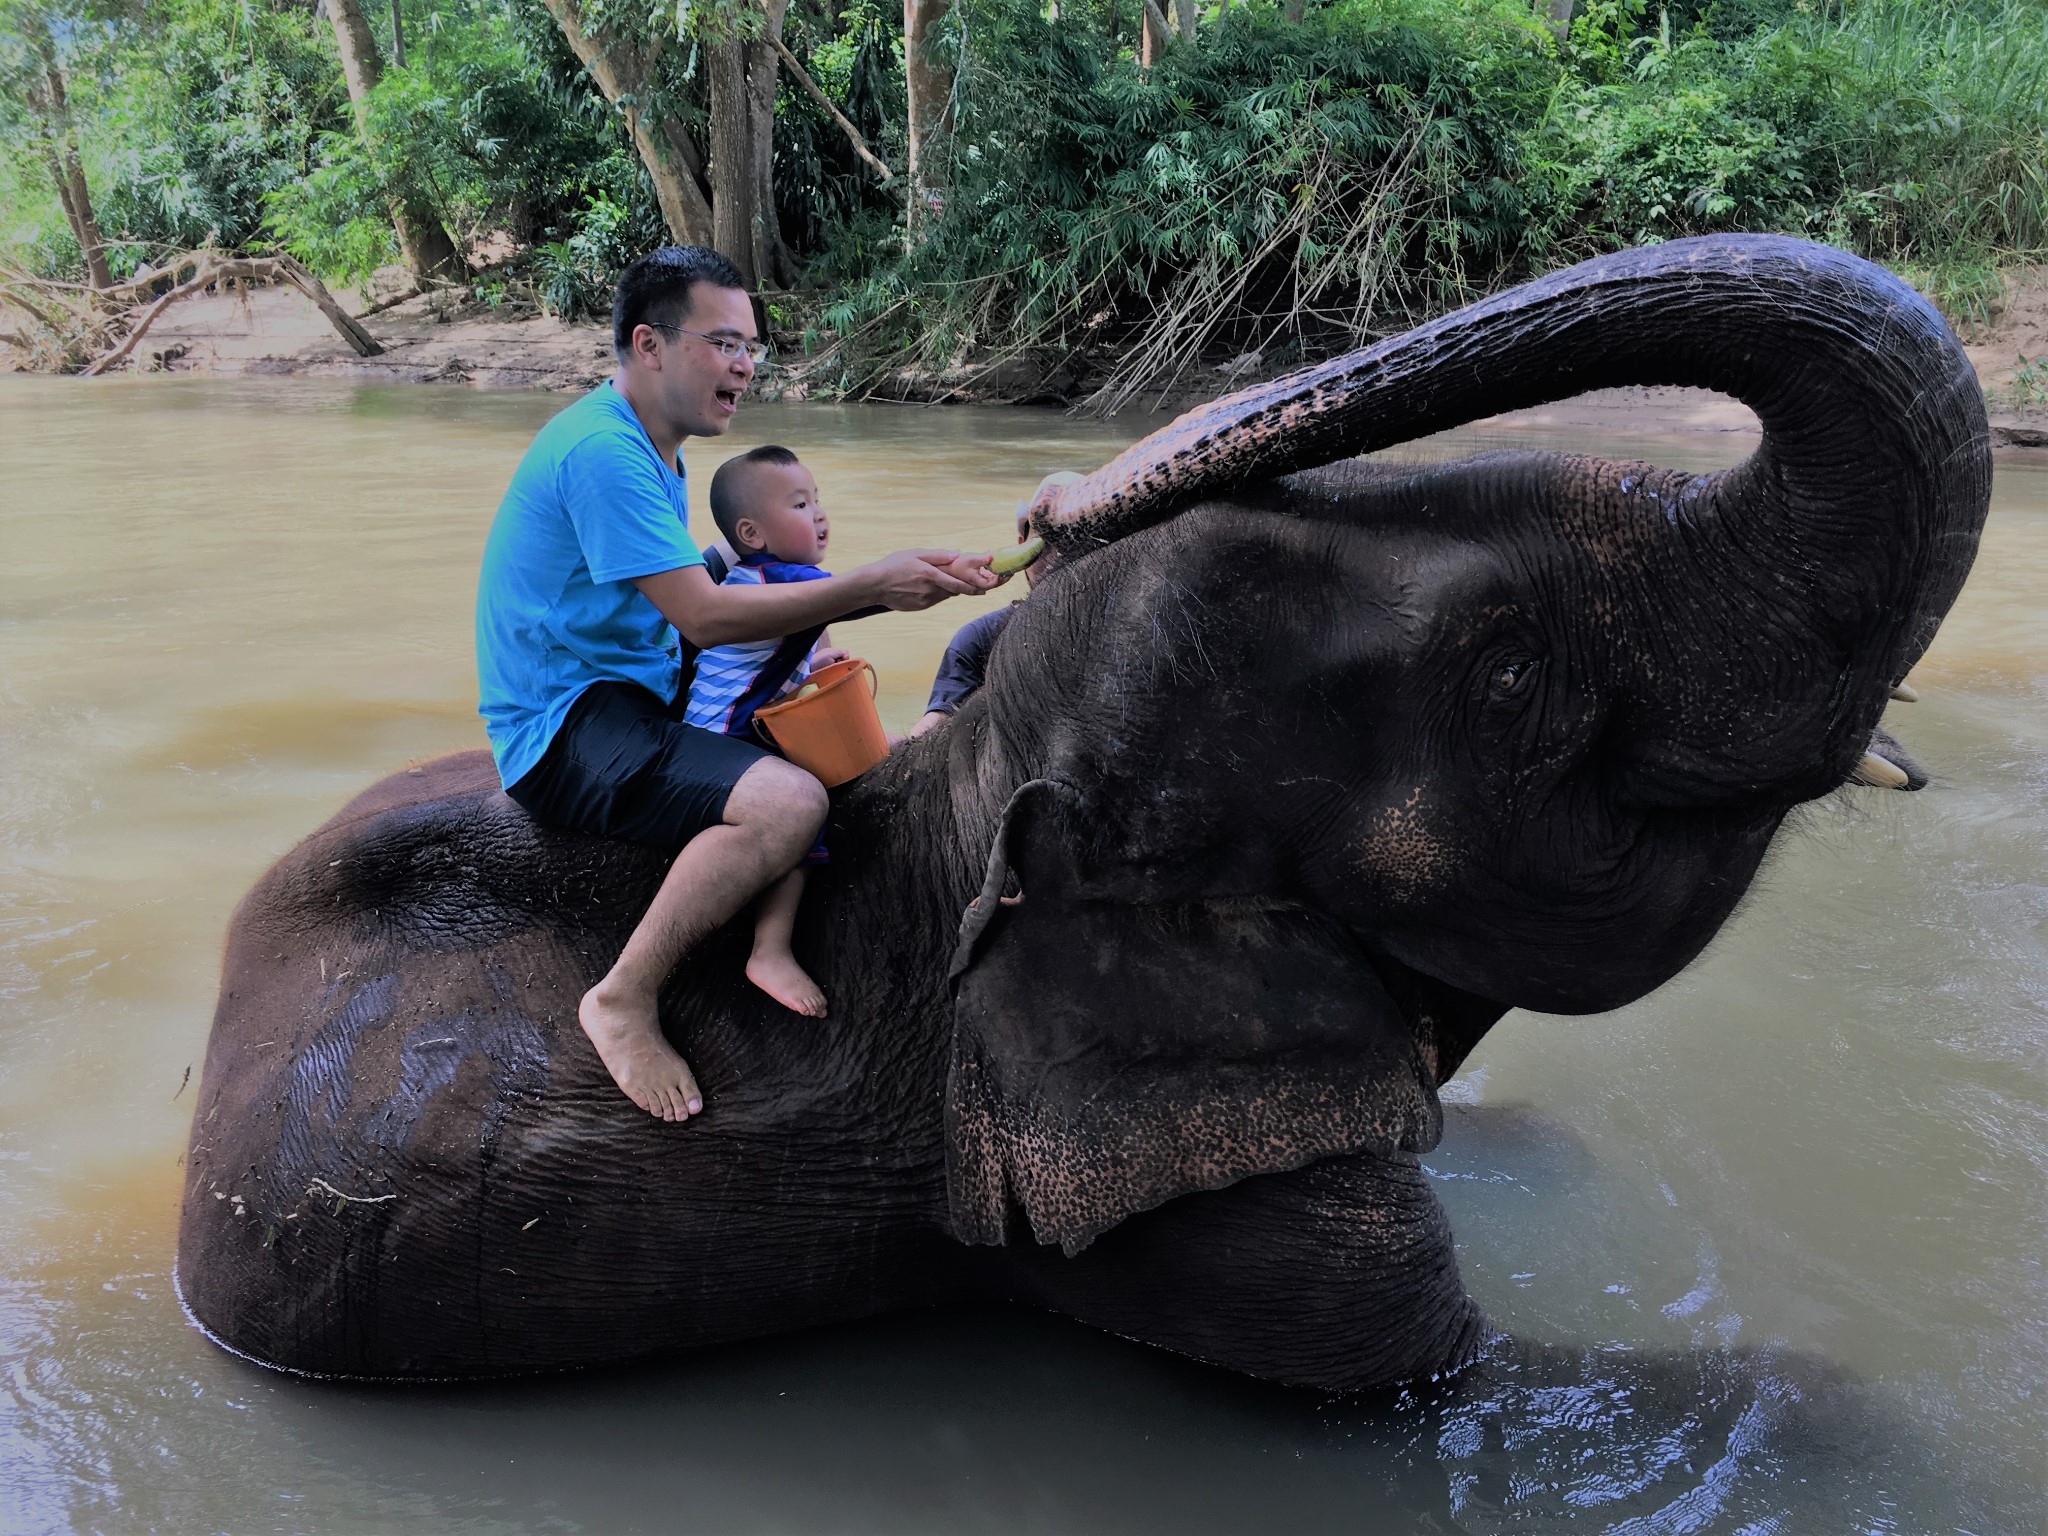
{"points": [[1110, 1054]]}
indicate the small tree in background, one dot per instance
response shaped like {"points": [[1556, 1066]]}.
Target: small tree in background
{"points": [[421, 235], [32, 71]]}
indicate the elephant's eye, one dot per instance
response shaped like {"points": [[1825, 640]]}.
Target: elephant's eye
{"points": [[1510, 675]]}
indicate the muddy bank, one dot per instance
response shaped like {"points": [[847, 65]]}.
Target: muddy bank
{"points": [[436, 340], [430, 339]]}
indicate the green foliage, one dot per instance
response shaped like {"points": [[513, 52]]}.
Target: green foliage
{"points": [[228, 121], [218, 104], [33, 234], [1266, 191], [1669, 146], [484, 129], [337, 218], [1277, 187], [827, 201], [185, 114], [2030, 381], [1914, 133], [576, 276]]}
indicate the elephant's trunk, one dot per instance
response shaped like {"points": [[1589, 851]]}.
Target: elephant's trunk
{"points": [[1829, 556]]}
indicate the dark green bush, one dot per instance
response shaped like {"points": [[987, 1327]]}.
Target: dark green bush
{"points": [[1277, 187]]}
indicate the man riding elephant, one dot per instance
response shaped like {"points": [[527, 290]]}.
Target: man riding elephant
{"points": [[589, 577], [1146, 966]]}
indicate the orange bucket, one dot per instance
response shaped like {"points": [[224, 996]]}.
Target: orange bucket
{"points": [[834, 733]]}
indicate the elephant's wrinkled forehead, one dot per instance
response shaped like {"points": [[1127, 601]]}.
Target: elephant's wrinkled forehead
{"points": [[1232, 628]]}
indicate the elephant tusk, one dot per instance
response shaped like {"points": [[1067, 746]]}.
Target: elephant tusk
{"points": [[1905, 693], [1878, 772]]}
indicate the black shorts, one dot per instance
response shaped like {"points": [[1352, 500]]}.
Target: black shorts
{"points": [[624, 765]]}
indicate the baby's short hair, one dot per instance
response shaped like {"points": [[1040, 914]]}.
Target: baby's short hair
{"points": [[728, 493]]}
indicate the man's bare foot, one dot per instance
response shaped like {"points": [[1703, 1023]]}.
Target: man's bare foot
{"points": [[787, 982], [627, 1034]]}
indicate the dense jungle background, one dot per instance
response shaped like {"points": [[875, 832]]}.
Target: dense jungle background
{"points": [[1082, 198]]}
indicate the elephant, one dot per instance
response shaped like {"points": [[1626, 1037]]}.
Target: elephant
{"points": [[1296, 774]]}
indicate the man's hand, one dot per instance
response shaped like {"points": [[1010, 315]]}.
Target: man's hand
{"points": [[707, 615], [915, 579]]}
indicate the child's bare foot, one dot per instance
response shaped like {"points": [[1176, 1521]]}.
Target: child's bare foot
{"points": [[787, 982], [627, 1034]]}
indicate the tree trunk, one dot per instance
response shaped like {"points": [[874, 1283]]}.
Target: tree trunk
{"points": [[671, 157], [397, 37], [732, 161], [428, 250], [67, 171], [1561, 18], [84, 222], [1184, 15], [928, 90], [1295, 10], [773, 259], [1153, 31], [69, 180], [741, 75]]}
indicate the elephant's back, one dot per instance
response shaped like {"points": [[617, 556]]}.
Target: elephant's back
{"points": [[396, 1020], [439, 855], [407, 1161], [455, 777]]}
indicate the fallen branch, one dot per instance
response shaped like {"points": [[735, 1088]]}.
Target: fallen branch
{"points": [[365, 344], [270, 269], [168, 272], [14, 284], [381, 305], [853, 134], [206, 278], [10, 293], [141, 279]]}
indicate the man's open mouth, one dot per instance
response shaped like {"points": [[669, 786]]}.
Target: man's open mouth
{"points": [[729, 398]]}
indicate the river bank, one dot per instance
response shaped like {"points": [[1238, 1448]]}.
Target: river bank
{"points": [[437, 339]]}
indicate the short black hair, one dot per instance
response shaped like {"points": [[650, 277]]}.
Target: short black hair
{"points": [[656, 288], [725, 488]]}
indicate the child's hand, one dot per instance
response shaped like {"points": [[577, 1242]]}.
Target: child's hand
{"points": [[973, 569], [826, 655]]}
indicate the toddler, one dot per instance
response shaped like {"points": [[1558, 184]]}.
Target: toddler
{"points": [[766, 505]]}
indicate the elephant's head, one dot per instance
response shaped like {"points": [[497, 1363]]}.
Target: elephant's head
{"points": [[1328, 770]]}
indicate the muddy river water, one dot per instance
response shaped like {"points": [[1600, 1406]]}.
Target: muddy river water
{"points": [[1768, 1246]]}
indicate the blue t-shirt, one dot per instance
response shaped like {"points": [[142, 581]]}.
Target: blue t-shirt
{"points": [[590, 507]]}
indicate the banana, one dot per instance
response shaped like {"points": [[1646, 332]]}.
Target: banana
{"points": [[1009, 561]]}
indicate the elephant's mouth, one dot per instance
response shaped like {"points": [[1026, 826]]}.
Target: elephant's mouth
{"points": [[1444, 1022]]}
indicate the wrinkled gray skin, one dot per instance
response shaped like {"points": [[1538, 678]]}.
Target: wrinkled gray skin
{"points": [[1304, 776]]}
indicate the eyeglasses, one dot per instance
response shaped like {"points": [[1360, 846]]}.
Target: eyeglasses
{"points": [[727, 347]]}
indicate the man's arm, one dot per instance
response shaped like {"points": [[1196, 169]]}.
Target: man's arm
{"points": [[706, 614]]}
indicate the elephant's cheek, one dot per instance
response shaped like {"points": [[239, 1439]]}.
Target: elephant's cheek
{"points": [[1400, 853]]}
